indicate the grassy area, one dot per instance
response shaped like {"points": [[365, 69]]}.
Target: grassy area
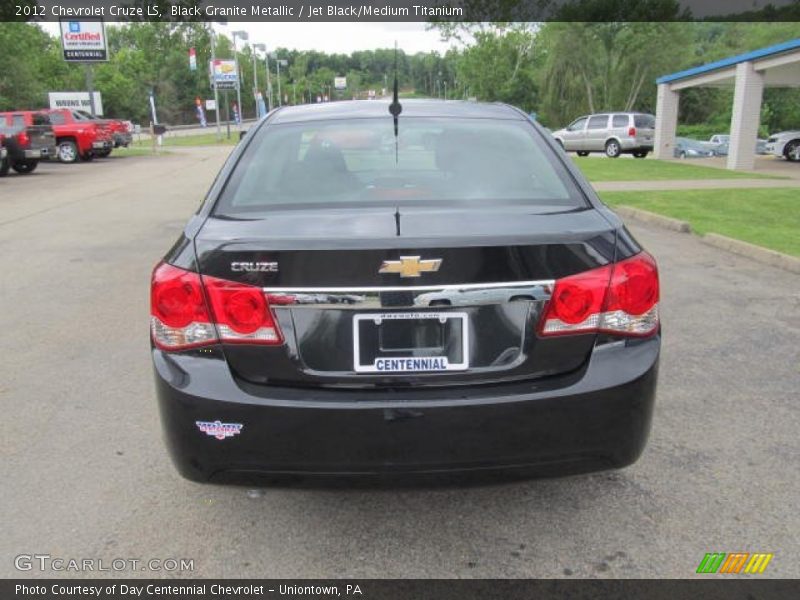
{"points": [[135, 150], [203, 139], [766, 217], [624, 169]]}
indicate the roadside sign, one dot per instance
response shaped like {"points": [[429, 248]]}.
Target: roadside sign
{"points": [[223, 71], [340, 83], [84, 41], [211, 105], [76, 101]]}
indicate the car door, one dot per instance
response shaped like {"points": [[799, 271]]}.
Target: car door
{"points": [[573, 134], [596, 133]]}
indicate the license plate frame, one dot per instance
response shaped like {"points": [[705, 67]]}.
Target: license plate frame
{"points": [[443, 366]]}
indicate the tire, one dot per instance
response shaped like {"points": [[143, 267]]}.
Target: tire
{"points": [[67, 152], [792, 151], [682, 155], [582, 153], [640, 154], [4, 167], [613, 149], [25, 166]]}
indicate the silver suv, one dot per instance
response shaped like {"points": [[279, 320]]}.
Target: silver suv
{"points": [[612, 133]]}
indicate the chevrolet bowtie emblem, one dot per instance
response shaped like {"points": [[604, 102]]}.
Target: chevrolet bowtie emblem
{"points": [[410, 266]]}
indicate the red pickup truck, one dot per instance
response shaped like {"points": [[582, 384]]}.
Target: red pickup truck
{"points": [[77, 138], [120, 132]]}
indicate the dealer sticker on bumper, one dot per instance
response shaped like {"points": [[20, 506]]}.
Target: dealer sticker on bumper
{"points": [[218, 429]]}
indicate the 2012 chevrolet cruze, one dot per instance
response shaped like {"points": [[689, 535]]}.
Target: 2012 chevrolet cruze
{"points": [[372, 288]]}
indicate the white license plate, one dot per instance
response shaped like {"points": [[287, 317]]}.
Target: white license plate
{"points": [[410, 363]]}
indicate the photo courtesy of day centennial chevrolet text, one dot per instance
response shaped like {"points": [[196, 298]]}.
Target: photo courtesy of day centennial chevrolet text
{"points": [[376, 288]]}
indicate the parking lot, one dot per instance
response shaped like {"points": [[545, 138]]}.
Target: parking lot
{"points": [[86, 474]]}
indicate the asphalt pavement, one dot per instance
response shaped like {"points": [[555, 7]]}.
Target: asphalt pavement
{"points": [[86, 475]]}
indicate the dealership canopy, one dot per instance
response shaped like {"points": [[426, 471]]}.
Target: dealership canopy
{"points": [[749, 74]]}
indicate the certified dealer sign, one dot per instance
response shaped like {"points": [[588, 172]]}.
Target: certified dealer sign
{"points": [[84, 41]]}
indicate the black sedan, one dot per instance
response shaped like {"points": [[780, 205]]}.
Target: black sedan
{"points": [[291, 326]]}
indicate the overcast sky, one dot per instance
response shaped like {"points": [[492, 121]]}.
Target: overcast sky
{"points": [[332, 37]]}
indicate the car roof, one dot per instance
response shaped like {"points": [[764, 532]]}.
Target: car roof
{"points": [[365, 109]]}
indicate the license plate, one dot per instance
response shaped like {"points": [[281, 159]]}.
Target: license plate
{"points": [[410, 342]]}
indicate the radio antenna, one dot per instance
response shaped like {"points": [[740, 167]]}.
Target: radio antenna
{"points": [[395, 108]]}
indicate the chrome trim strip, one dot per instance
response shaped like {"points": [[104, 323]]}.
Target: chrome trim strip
{"points": [[407, 288]]}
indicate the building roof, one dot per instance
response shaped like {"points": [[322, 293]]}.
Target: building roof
{"points": [[731, 61], [359, 109]]}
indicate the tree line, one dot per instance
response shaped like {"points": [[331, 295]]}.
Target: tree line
{"points": [[559, 70]]}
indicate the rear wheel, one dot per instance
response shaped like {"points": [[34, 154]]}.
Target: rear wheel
{"points": [[682, 154], [5, 165], [612, 149], [640, 154], [67, 151], [582, 153], [25, 166], [792, 151]]}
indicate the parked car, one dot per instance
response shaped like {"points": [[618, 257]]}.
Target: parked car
{"points": [[3, 156], [785, 144], [29, 138], [689, 148], [78, 138], [120, 130], [719, 144], [612, 133], [560, 380]]}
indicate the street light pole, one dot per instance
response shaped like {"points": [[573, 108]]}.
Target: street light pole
{"points": [[243, 36], [263, 48], [280, 98], [255, 82]]}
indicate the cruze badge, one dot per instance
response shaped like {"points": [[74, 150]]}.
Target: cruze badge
{"points": [[218, 429], [261, 267], [411, 266]]}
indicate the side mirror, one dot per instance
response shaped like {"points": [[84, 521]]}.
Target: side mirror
{"points": [[241, 135]]}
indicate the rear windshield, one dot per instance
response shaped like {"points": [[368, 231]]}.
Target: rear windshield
{"points": [[644, 121], [356, 162]]}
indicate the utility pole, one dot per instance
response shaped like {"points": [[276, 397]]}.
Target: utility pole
{"points": [[214, 79]]}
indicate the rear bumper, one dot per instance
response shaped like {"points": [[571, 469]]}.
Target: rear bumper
{"points": [[37, 154], [600, 420], [122, 139], [634, 145]]}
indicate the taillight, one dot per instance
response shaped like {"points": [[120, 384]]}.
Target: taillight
{"points": [[23, 139], [185, 315], [621, 298], [241, 312], [631, 131], [179, 317]]}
